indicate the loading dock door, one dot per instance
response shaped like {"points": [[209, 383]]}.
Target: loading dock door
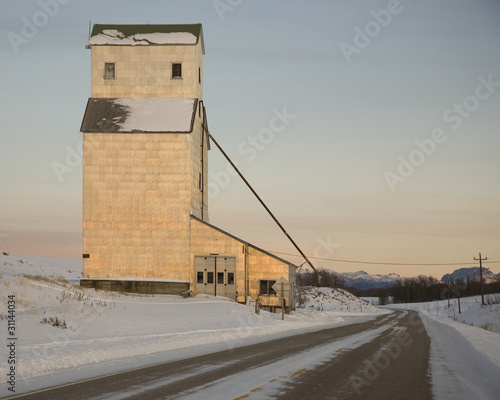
{"points": [[215, 276]]}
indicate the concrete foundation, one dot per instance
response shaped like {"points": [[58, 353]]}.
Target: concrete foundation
{"points": [[138, 286]]}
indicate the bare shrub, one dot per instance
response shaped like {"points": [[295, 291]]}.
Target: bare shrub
{"points": [[54, 321], [301, 297]]}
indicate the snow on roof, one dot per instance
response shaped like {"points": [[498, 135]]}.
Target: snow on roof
{"points": [[127, 115], [157, 114], [144, 35], [118, 38]]}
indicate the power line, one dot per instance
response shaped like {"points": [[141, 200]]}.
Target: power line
{"points": [[383, 263]]}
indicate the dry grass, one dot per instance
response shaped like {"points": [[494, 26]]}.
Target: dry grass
{"points": [[40, 278]]}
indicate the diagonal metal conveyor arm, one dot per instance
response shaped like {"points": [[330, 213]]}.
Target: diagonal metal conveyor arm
{"points": [[264, 205]]}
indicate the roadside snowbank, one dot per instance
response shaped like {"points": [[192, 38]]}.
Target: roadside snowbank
{"points": [[465, 348]]}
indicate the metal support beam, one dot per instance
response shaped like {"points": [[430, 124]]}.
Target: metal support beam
{"points": [[265, 206]]}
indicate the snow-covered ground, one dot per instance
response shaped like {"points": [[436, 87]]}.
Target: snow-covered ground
{"points": [[471, 311], [102, 332], [465, 348]]}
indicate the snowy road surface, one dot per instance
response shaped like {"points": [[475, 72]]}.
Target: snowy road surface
{"points": [[386, 358]]}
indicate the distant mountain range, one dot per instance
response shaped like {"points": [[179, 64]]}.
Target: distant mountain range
{"points": [[464, 273], [361, 280], [364, 281]]}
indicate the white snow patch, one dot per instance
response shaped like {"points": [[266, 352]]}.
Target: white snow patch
{"points": [[115, 37], [157, 114], [113, 33]]}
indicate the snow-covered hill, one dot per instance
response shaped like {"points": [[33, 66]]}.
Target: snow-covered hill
{"points": [[329, 299]]}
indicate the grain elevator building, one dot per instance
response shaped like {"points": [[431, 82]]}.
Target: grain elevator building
{"points": [[145, 157]]}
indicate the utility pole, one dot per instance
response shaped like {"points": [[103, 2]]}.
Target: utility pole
{"points": [[282, 301], [481, 275]]}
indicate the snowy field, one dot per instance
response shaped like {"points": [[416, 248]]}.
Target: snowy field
{"points": [[67, 333]]}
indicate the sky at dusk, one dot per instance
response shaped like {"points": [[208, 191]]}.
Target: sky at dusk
{"points": [[370, 128]]}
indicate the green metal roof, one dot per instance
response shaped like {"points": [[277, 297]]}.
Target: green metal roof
{"points": [[130, 30]]}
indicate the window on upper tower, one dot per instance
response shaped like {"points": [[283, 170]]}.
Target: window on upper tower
{"points": [[176, 70], [199, 75], [109, 71]]}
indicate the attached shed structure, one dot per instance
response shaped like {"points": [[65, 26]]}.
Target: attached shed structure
{"points": [[256, 269]]}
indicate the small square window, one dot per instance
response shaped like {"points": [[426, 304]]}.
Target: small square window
{"points": [[266, 287], [109, 70], [176, 70]]}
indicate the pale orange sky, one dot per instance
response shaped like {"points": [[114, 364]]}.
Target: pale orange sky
{"points": [[388, 149]]}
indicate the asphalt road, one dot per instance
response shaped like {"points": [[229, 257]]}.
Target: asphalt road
{"points": [[385, 358]]}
